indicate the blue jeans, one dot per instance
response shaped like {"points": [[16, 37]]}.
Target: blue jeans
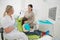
{"points": [[36, 32]]}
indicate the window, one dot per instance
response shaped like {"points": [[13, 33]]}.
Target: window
{"points": [[52, 13]]}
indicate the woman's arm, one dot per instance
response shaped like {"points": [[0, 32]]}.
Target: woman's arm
{"points": [[9, 29], [7, 25], [33, 16]]}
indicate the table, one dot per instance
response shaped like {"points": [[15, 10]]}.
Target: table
{"points": [[45, 25]]}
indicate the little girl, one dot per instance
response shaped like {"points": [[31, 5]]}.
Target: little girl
{"points": [[27, 28]]}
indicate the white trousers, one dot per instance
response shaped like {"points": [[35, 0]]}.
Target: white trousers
{"points": [[16, 35]]}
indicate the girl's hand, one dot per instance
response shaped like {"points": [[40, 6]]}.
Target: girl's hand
{"points": [[26, 31]]}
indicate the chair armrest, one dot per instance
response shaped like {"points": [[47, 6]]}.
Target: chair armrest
{"points": [[1, 30]]}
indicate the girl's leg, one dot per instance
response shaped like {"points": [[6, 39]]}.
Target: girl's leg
{"points": [[29, 33], [37, 32]]}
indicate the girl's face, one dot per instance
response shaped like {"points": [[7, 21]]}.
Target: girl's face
{"points": [[25, 21], [29, 8]]}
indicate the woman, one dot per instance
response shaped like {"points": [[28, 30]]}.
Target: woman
{"points": [[30, 15], [8, 24]]}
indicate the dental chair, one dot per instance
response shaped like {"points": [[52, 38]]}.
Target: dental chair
{"points": [[20, 28]]}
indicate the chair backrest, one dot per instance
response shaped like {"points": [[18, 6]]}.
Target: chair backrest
{"points": [[19, 24]]}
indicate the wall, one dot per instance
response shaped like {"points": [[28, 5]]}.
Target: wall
{"points": [[15, 3], [56, 27], [57, 24], [39, 8]]}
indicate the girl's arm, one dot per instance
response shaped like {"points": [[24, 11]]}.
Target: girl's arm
{"points": [[24, 29]]}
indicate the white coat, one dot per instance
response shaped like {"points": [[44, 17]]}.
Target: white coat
{"points": [[7, 22]]}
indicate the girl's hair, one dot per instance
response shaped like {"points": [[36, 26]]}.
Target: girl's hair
{"points": [[23, 20], [31, 6], [7, 9]]}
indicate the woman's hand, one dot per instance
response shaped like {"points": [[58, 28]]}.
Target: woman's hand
{"points": [[9, 29]]}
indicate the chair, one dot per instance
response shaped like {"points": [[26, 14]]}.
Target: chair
{"points": [[2, 35], [1, 31], [20, 28]]}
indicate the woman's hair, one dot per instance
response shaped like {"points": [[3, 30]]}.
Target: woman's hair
{"points": [[31, 6], [7, 9]]}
